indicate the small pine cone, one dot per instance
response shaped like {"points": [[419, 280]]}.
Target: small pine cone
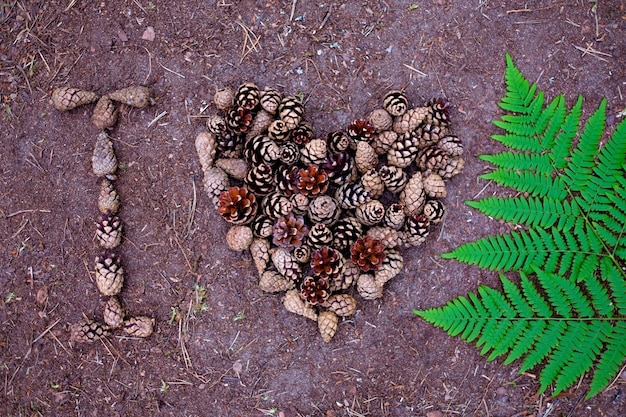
{"points": [[394, 178], [324, 209], [261, 149], [340, 168], [239, 120], [140, 326], [373, 183], [396, 103], [337, 142], [415, 230], [412, 196], [239, 238], [360, 130], [113, 313], [434, 210], [289, 231], [68, 98], [289, 153], [87, 331], [216, 124], [344, 281], [303, 254], [391, 266], [247, 96], [432, 158], [103, 160], [368, 287], [270, 100], [390, 238], [224, 98], [314, 290], [343, 305], [409, 121], [311, 180], [109, 274], [351, 195], [260, 251], [365, 158], [314, 152], [108, 199], [260, 124], [135, 96], [236, 205], [260, 179], [345, 232], [327, 323], [206, 147], [380, 119], [394, 216], [302, 134], [438, 112], [319, 235], [291, 111], [383, 141], [454, 167], [451, 145], [429, 135], [275, 205], [370, 212], [262, 226], [403, 151], [278, 131], [327, 263], [272, 281], [434, 187], [104, 114], [367, 253], [215, 182], [286, 264], [283, 178], [300, 203], [236, 168], [109, 231], [295, 304]]}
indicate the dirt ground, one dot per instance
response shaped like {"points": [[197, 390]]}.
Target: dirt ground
{"points": [[221, 346]]}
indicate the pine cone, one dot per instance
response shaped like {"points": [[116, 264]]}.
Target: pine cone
{"points": [[108, 199], [410, 121], [340, 168], [396, 103], [291, 111], [286, 264], [383, 141], [403, 151], [236, 168], [109, 274], [434, 211], [373, 183], [300, 203], [412, 196], [224, 98], [262, 226], [247, 96], [390, 238], [367, 253], [294, 304], [434, 186], [270, 100], [104, 114], [453, 167], [140, 326], [103, 160], [239, 120], [327, 263], [261, 149], [113, 313], [236, 205], [302, 254], [370, 213], [314, 152], [109, 231], [260, 124], [284, 177], [344, 281], [216, 125], [438, 112], [68, 98], [275, 205], [327, 323], [135, 96], [392, 265], [432, 158], [272, 281], [302, 134], [360, 130], [260, 180], [206, 147], [368, 287], [289, 153], [415, 230], [451, 145], [311, 180], [215, 183], [239, 238], [278, 130], [319, 235], [343, 305], [380, 119], [289, 231], [324, 209], [394, 216], [345, 232], [351, 195], [365, 158], [337, 142], [87, 331], [314, 290], [394, 178], [429, 135], [260, 251]]}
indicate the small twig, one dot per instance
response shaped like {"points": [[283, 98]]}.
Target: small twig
{"points": [[420, 73], [27, 211], [293, 9], [192, 209], [149, 65], [593, 52], [157, 118], [172, 71], [326, 17]]}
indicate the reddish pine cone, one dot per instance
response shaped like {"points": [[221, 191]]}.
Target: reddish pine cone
{"points": [[289, 231], [311, 180], [236, 205], [361, 130], [327, 263], [368, 253], [314, 290]]}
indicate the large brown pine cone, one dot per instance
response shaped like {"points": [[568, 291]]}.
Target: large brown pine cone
{"points": [[311, 180], [327, 263], [289, 231], [237, 205], [368, 253], [361, 129], [314, 290]]}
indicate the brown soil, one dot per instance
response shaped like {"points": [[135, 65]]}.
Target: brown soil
{"points": [[222, 347]]}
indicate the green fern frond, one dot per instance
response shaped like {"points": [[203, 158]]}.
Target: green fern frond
{"points": [[559, 323]]}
